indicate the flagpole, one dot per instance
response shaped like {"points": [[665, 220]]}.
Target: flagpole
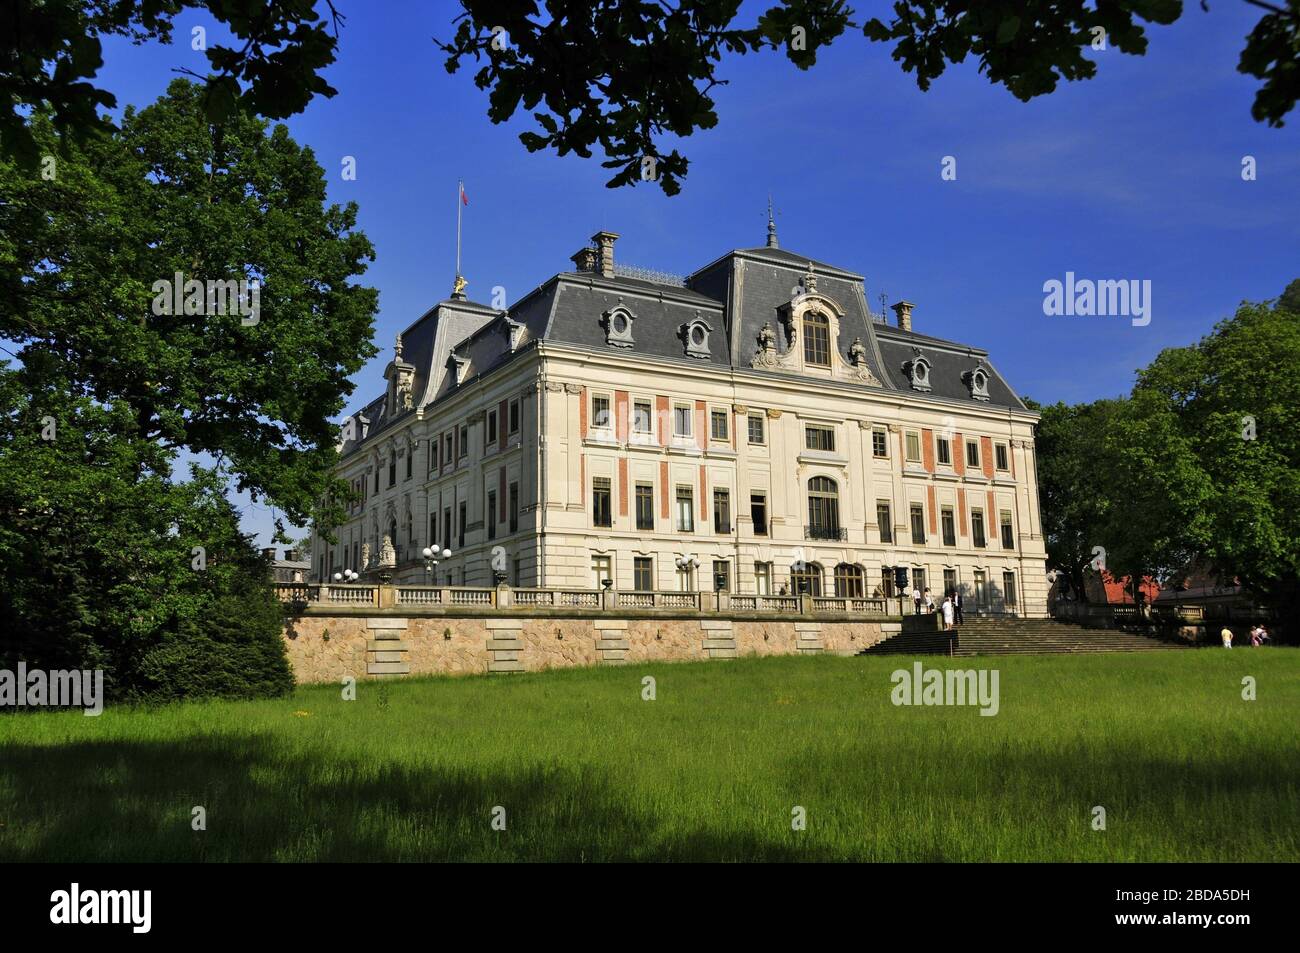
{"points": [[460, 191]]}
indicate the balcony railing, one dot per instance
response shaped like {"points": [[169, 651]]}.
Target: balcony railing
{"points": [[825, 532]]}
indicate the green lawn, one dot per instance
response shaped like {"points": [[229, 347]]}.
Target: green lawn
{"points": [[711, 769]]}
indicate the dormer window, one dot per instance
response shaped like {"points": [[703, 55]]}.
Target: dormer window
{"points": [[618, 327], [977, 381], [918, 373], [816, 339], [695, 335]]}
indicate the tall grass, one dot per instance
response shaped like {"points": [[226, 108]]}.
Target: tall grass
{"points": [[712, 769]]}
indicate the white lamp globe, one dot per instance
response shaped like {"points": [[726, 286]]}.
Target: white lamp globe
{"points": [[446, 554], [428, 553], [338, 576]]}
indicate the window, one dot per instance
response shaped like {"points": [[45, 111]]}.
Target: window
{"points": [[685, 510], [435, 445], [1000, 456], [433, 529], [977, 527], [949, 527], [376, 479], [643, 574], [806, 577], [516, 569], [945, 451], [758, 512], [601, 514], [721, 575], [600, 570], [981, 589], [949, 582], [447, 456], [642, 415], [410, 456], [392, 469], [1008, 537], [682, 420], [816, 339], [918, 581], [1009, 589], [718, 427], [645, 506], [721, 512], [600, 413], [460, 531], [514, 507], [972, 454], [763, 578], [514, 417], [490, 516], [887, 582], [884, 523], [446, 527], [823, 509], [918, 524], [464, 441], [913, 447], [757, 435], [491, 427], [879, 443], [849, 582], [819, 438]]}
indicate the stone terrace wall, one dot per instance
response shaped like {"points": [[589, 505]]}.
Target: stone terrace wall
{"points": [[327, 644]]}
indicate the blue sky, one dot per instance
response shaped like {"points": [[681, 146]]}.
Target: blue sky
{"points": [[1134, 174]]}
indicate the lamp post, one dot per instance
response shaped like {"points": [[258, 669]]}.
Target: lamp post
{"points": [[346, 575], [687, 564], [431, 556]]}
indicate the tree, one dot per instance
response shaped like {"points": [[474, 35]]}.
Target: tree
{"points": [[52, 48], [623, 74], [83, 256]]}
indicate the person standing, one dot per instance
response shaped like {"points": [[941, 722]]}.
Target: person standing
{"points": [[1226, 635], [916, 598], [929, 602], [947, 614], [957, 604], [1254, 636]]}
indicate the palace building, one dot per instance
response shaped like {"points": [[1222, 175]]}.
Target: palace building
{"points": [[752, 427]]}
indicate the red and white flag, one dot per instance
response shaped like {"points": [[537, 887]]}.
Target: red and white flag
{"points": [[463, 197]]}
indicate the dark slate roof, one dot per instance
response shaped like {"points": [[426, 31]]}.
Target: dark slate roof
{"points": [[736, 294]]}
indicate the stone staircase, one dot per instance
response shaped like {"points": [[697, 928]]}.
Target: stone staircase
{"points": [[1013, 636]]}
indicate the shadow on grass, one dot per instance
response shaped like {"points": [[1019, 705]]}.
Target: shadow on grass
{"points": [[266, 801]]}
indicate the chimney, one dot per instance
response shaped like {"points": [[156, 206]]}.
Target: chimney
{"points": [[291, 555], [585, 259], [269, 554], [604, 242], [904, 311]]}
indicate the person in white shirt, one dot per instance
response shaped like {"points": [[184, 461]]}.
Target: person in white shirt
{"points": [[947, 615], [916, 598], [929, 601]]}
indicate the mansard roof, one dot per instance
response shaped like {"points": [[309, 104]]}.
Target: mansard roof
{"points": [[458, 341]]}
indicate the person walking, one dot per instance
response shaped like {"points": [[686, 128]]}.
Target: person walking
{"points": [[947, 614], [916, 598], [1254, 636], [1226, 635]]}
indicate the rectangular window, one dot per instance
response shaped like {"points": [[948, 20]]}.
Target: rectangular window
{"points": [[642, 416], [685, 510], [945, 451], [600, 413], [918, 581], [758, 512], [949, 581], [972, 454], [447, 454], [819, 438], [643, 574], [913, 441], [879, 443], [514, 417], [433, 529], [460, 534], [981, 589], [516, 566], [949, 526], [757, 436], [601, 514], [1008, 537], [514, 507], [1000, 456], [446, 527], [718, 425], [721, 512], [410, 457], [918, 524], [977, 528], [682, 421], [884, 522], [645, 506], [887, 582], [464, 441], [392, 470], [376, 479], [435, 446], [1009, 589], [490, 517], [600, 569], [491, 428], [721, 575], [763, 578]]}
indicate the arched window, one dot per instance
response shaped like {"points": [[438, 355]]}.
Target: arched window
{"points": [[806, 577], [816, 339], [823, 509], [849, 581]]}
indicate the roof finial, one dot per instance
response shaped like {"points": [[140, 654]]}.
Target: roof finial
{"points": [[771, 224], [397, 347]]}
